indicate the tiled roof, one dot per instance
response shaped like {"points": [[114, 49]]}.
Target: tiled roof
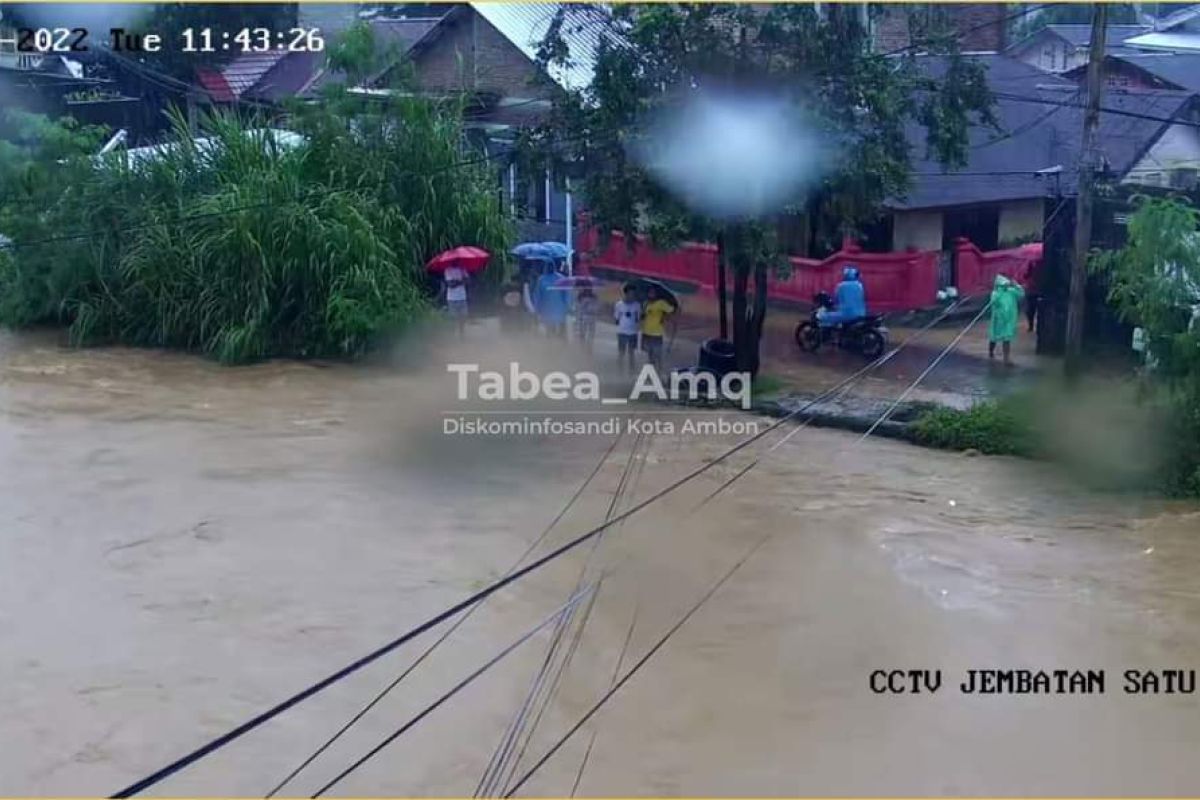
{"points": [[249, 68], [1039, 131], [214, 83], [1178, 69]]}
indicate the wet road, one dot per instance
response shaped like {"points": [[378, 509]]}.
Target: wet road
{"points": [[182, 545]]}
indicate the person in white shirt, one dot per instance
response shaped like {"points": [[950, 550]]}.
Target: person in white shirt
{"points": [[454, 281], [628, 314]]}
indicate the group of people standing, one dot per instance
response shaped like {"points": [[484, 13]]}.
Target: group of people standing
{"points": [[647, 319], [543, 295]]}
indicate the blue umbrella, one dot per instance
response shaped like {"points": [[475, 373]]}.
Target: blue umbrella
{"points": [[533, 252], [557, 250]]}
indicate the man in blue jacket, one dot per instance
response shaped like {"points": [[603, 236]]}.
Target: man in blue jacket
{"points": [[850, 300]]}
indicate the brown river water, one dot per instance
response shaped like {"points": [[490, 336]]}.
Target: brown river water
{"points": [[182, 545]]}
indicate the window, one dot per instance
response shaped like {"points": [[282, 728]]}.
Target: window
{"points": [[1185, 178]]}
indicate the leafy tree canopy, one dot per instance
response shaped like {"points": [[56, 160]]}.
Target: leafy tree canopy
{"points": [[655, 56]]}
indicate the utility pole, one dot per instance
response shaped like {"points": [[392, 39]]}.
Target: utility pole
{"points": [[1088, 163]]}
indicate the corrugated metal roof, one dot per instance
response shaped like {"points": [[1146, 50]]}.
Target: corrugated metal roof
{"points": [[1081, 35], [249, 68], [1187, 42], [280, 137], [526, 24]]}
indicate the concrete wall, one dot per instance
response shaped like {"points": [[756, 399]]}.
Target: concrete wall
{"points": [[1171, 157], [918, 229], [923, 230], [1021, 219]]}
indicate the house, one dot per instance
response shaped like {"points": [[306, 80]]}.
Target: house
{"points": [[1179, 32], [1061, 48], [488, 52], [1013, 176], [979, 27], [1148, 70], [268, 76], [395, 36]]}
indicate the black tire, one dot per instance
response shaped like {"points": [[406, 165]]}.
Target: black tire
{"points": [[871, 344], [718, 356], [808, 337]]}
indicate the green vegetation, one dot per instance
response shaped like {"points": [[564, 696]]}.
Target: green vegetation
{"points": [[242, 244], [823, 68], [1155, 283], [765, 385], [992, 428]]}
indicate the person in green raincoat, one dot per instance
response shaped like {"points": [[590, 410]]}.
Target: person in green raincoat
{"points": [[1006, 297]]}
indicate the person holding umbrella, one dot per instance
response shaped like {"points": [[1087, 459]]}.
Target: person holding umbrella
{"points": [[456, 267]]}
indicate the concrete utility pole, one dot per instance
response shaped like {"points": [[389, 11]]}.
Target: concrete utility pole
{"points": [[1088, 163]]}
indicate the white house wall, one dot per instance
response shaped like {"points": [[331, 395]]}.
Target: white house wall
{"points": [[1049, 53], [1177, 149], [921, 230], [1021, 220]]}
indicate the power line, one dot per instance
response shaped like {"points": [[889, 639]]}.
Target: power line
{"points": [[263, 717], [458, 687], [578, 637], [616, 686], [1117, 112], [508, 740], [641, 662], [449, 631]]}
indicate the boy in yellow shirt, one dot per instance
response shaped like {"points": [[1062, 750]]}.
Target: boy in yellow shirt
{"points": [[653, 328]]}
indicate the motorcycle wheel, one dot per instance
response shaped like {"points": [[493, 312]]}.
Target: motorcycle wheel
{"points": [[808, 337], [871, 344]]}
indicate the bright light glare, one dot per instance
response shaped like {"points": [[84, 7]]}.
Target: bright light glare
{"points": [[730, 156]]}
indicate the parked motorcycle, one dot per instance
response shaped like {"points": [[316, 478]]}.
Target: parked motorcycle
{"points": [[866, 336]]}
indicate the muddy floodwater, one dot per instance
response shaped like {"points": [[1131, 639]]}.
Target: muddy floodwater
{"points": [[183, 545]]}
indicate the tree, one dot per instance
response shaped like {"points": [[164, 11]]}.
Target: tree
{"points": [[1154, 283], [245, 246], [653, 56]]}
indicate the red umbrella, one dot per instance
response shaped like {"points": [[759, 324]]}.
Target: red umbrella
{"points": [[472, 259]]}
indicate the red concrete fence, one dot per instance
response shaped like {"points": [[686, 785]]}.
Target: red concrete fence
{"points": [[977, 270], [893, 281]]}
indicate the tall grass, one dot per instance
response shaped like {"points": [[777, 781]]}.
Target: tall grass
{"points": [[244, 249]]}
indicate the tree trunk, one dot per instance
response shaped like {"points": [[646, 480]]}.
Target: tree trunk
{"points": [[746, 320], [759, 313], [1087, 174], [742, 341]]}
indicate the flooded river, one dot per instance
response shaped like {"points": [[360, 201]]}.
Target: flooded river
{"points": [[183, 545]]}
